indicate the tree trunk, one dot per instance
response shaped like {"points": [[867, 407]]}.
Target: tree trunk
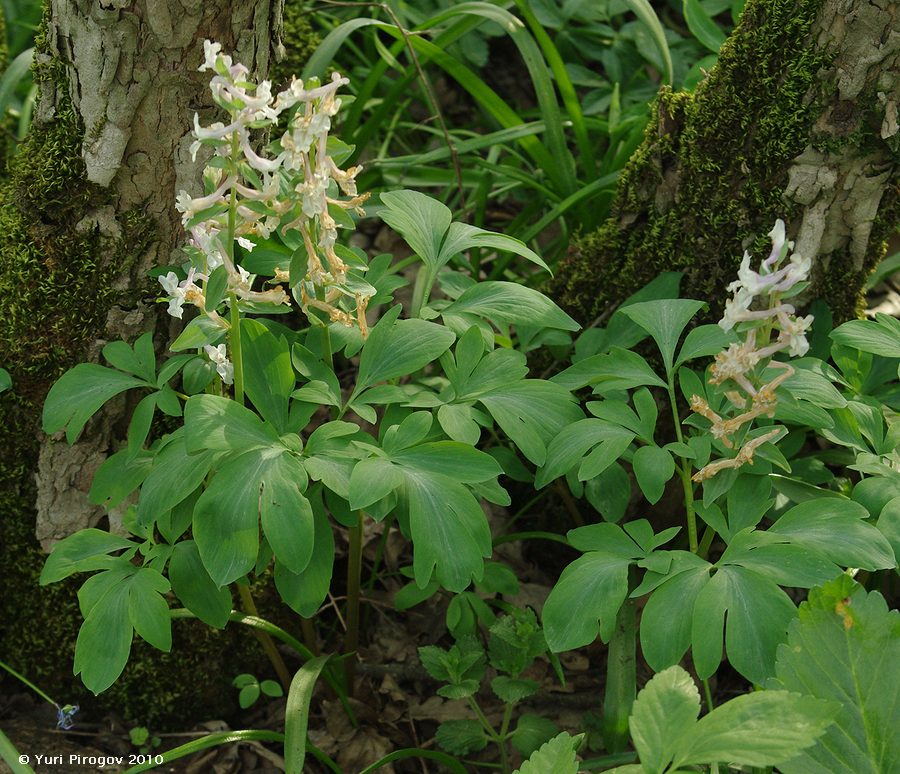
{"points": [[797, 120], [86, 210]]}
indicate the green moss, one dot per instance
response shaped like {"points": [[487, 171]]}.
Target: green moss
{"points": [[709, 177], [55, 291]]}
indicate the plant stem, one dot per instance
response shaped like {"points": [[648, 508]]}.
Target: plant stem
{"points": [[309, 634], [28, 682], [354, 572], [504, 731], [621, 677], [481, 716], [708, 695], [234, 337], [684, 471], [265, 640]]}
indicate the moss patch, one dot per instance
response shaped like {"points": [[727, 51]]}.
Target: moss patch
{"points": [[711, 172]]}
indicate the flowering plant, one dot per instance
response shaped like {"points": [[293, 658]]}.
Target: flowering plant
{"points": [[272, 445]]}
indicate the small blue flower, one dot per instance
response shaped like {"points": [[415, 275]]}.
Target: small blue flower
{"points": [[64, 716]]}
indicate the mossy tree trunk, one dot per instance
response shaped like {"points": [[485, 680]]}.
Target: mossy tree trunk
{"points": [[797, 120], [86, 209]]}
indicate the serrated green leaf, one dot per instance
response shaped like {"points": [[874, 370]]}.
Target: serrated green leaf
{"points": [[531, 732], [664, 711], [844, 647], [461, 737], [554, 757]]}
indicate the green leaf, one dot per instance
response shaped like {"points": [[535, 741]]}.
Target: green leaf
{"points": [[104, 640], [268, 375], [665, 629], [457, 422], [702, 26], [837, 528], [449, 531], [532, 412], [703, 341], [531, 732], [461, 737], [880, 337], [554, 757], [399, 348], [226, 517], [195, 589], [118, 476], [286, 515], [296, 714], [198, 333], [372, 480], [585, 601], [758, 615], [644, 10], [119, 355], [420, 220], [455, 460], [610, 492], [462, 236], [79, 394], [664, 711], [79, 553], [305, 592], [619, 369], [174, 475], [508, 302], [844, 647], [5, 380], [511, 690], [148, 610], [664, 320], [568, 448], [221, 424], [760, 729], [653, 467]]}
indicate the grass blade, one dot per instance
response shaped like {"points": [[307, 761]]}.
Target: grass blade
{"points": [[644, 11], [205, 742]]}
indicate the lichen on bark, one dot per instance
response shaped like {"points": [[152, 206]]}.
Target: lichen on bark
{"points": [[797, 120]]}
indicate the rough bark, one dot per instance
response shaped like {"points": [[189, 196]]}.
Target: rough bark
{"points": [[86, 209], [132, 80], [797, 120]]}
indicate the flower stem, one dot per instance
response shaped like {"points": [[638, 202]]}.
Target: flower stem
{"points": [[234, 338]]}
